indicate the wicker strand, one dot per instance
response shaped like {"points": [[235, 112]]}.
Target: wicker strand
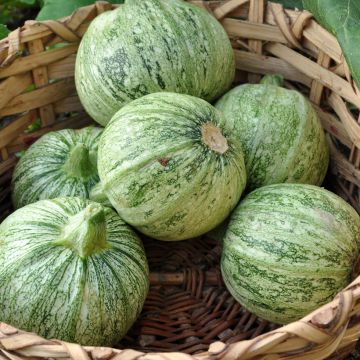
{"points": [[41, 78], [14, 47], [63, 31], [317, 88], [284, 26], [300, 24], [256, 15], [226, 8]]}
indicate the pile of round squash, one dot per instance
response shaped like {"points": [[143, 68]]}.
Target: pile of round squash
{"points": [[173, 166]]}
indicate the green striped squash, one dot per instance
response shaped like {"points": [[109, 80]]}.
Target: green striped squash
{"points": [[289, 249], [170, 166], [147, 46], [71, 269], [280, 133], [60, 163]]}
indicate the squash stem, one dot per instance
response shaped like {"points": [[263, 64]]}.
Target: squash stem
{"points": [[213, 138], [79, 163], [85, 232], [277, 80]]}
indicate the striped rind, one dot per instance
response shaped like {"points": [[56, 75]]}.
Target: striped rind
{"points": [[147, 46], [50, 290], [40, 173], [289, 249], [158, 173], [280, 133]]}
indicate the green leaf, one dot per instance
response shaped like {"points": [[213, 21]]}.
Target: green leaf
{"points": [[31, 87], [55, 9], [342, 19], [20, 154], [4, 31], [36, 125], [290, 4], [28, 2]]}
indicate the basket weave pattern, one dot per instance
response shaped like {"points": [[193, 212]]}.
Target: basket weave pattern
{"points": [[188, 310]]}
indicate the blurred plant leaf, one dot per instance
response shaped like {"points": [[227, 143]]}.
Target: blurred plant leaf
{"points": [[20, 154], [28, 2], [30, 88], [13, 13], [291, 4], [55, 9], [4, 31], [15, 3], [36, 125], [342, 19]]}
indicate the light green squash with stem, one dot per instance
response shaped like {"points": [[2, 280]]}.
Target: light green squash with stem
{"points": [[280, 133], [71, 269], [60, 163], [170, 166]]}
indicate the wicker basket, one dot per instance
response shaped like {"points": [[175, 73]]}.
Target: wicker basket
{"points": [[188, 313]]}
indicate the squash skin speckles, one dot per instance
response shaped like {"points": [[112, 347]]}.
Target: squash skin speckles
{"points": [[147, 46], [288, 249], [60, 163], [161, 176], [57, 286], [280, 133]]}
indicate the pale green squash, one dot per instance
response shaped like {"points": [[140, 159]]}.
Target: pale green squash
{"points": [[170, 166], [60, 163], [289, 249], [71, 269], [147, 46], [280, 133]]}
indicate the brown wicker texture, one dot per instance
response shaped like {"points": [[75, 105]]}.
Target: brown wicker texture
{"points": [[188, 313]]}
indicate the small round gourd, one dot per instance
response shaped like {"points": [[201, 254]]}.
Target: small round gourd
{"points": [[170, 166], [71, 269], [147, 46], [60, 163], [280, 133], [289, 249]]}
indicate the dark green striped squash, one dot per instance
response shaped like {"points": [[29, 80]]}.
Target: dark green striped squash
{"points": [[280, 133], [71, 269], [147, 46], [289, 249], [60, 163], [170, 166]]}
